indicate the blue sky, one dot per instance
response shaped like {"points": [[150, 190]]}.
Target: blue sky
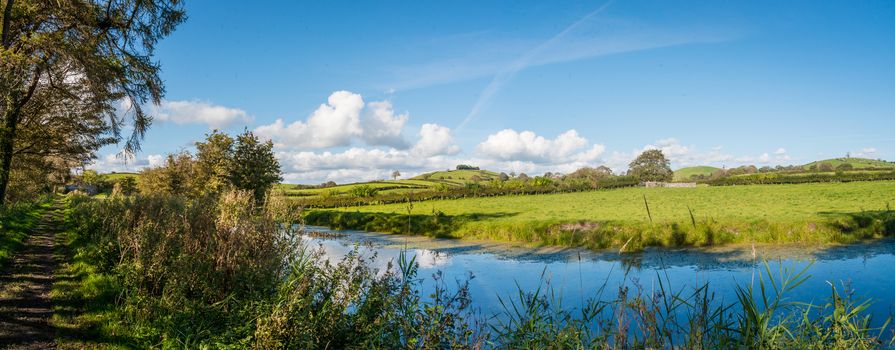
{"points": [[352, 90]]}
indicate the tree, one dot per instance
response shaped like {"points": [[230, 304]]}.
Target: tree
{"points": [[213, 162], [77, 60], [825, 167], [591, 175], [651, 165], [844, 167], [503, 177], [126, 186], [396, 174], [175, 177], [255, 167]]}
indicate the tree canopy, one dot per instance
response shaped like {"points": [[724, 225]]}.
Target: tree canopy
{"points": [[221, 163], [651, 165], [73, 74]]}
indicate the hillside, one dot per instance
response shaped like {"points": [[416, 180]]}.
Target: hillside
{"points": [[465, 175], [684, 174], [856, 163]]}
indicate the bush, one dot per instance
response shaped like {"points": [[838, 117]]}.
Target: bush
{"points": [[364, 191]]}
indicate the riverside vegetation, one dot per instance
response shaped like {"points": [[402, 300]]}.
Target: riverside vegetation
{"points": [[167, 271]]}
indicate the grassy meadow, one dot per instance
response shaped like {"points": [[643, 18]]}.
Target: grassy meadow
{"points": [[806, 213], [684, 174]]}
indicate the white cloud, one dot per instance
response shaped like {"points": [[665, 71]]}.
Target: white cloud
{"points": [[435, 140], [780, 151], [382, 127], [196, 112], [155, 160], [339, 122], [508, 144], [356, 164], [334, 123], [432, 151]]}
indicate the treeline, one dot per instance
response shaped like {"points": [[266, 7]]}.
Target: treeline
{"points": [[539, 185], [781, 169], [800, 178]]}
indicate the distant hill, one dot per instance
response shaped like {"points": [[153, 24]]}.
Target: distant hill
{"points": [[464, 175], [856, 163], [684, 174]]}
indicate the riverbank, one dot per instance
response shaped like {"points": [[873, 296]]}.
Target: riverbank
{"points": [[635, 218], [153, 272]]}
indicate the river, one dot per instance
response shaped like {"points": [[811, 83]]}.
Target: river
{"points": [[866, 269]]}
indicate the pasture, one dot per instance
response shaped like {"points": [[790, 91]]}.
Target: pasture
{"points": [[807, 213]]}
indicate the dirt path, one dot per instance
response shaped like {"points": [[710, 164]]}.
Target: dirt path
{"points": [[25, 284]]}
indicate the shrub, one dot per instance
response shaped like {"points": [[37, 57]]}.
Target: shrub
{"points": [[193, 265], [364, 191]]}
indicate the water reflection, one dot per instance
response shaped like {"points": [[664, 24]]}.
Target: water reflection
{"points": [[577, 274]]}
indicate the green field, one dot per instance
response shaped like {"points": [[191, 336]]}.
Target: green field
{"points": [[856, 163], [119, 176], [684, 174], [815, 213]]}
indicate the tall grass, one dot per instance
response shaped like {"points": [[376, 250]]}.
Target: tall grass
{"points": [[222, 273]]}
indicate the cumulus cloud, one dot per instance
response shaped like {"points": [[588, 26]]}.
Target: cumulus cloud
{"points": [[196, 112], [342, 120], [435, 140], [508, 144], [334, 123], [382, 127]]}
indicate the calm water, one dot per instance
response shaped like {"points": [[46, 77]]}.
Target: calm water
{"points": [[867, 269]]}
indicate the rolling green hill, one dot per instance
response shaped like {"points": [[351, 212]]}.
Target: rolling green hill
{"points": [[856, 163], [684, 174], [464, 175]]}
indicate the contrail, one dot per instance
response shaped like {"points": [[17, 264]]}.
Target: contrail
{"points": [[507, 74]]}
